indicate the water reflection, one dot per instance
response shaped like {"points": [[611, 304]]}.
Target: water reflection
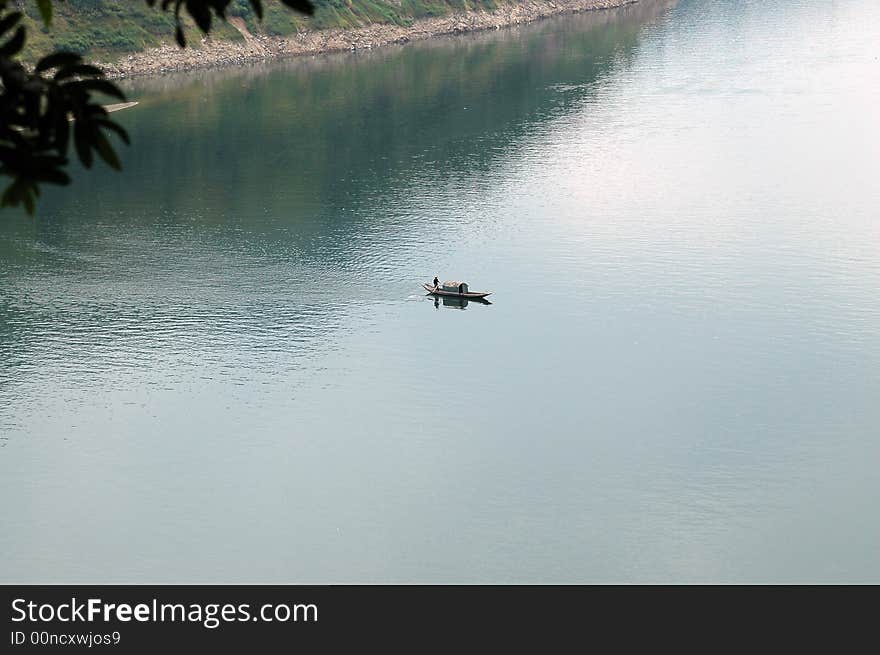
{"points": [[458, 303], [292, 185]]}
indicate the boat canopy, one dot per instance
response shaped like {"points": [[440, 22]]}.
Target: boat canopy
{"points": [[455, 287]]}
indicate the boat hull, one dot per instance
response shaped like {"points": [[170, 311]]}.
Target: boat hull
{"points": [[454, 294]]}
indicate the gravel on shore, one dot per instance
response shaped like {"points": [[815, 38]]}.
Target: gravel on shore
{"points": [[212, 53]]}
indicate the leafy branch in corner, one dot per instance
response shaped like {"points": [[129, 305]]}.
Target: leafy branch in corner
{"points": [[203, 11], [43, 107]]}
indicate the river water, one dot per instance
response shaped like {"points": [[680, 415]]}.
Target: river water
{"points": [[219, 366]]}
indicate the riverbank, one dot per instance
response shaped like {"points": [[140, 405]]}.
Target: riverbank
{"points": [[212, 53]]}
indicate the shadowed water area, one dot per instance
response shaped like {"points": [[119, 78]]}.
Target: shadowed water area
{"points": [[220, 365]]}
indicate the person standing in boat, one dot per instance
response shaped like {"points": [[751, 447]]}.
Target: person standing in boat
{"points": [[436, 283]]}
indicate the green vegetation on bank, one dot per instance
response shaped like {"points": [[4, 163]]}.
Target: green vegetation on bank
{"points": [[109, 28]]}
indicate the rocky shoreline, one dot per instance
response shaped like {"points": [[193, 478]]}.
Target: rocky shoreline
{"points": [[210, 53]]}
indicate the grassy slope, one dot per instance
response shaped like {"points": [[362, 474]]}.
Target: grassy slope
{"points": [[115, 27]]}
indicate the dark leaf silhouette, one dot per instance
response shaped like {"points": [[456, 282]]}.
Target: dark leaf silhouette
{"points": [[14, 45], [78, 70], [8, 21], [39, 109], [45, 7], [57, 60], [302, 6]]}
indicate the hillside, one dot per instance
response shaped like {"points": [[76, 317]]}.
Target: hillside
{"points": [[110, 28]]}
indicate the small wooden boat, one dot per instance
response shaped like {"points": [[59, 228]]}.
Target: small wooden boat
{"points": [[452, 290]]}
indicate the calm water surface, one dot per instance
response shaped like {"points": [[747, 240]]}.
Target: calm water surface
{"points": [[220, 366]]}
